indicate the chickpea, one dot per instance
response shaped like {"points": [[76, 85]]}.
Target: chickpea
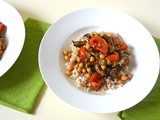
{"points": [[119, 81], [72, 63], [103, 67], [129, 75], [87, 46], [108, 35], [70, 68], [92, 59], [84, 46], [88, 75], [79, 69], [65, 52], [78, 59], [84, 70], [89, 70], [76, 52], [103, 62], [68, 73], [69, 55], [123, 77], [81, 65], [67, 58], [101, 56]]}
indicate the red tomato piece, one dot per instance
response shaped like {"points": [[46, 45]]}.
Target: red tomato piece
{"points": [[96, 81], [99, 44], [83, 52], [121, 44], [95, 85], [1, 26], [113, 57]]}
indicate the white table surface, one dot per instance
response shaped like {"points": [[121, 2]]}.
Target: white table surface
{"points": [[50, 107]]}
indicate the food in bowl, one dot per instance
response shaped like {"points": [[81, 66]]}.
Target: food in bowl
{"points": [[98, 62], [3, 44]]}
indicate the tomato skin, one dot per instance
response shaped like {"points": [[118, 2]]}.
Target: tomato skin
{"points": [[113, 57], [1, 26], [83, 52], [120, 43], [96, 81], [95, 85], [99, 44]]}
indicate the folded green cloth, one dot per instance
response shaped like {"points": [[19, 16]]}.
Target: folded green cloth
{"points": [[149, 108], [21, 86]]}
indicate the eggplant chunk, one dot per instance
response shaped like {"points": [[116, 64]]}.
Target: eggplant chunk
{"points": [[105, 38], [107, 71], [88, 36], [111, 46], [79, 43]]}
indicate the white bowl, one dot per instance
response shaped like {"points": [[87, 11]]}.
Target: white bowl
{"points": [[15, 35], [73, 25]]}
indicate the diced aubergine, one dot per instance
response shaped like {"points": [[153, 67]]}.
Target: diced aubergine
{"points": [[111, 46], [105, 38], [79, 43], [88, 36]]}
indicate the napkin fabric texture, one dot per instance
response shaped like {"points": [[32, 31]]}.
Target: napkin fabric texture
{"points": [[21, 86], [149, 108]]}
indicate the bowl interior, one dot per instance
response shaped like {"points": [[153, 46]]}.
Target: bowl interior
{"points": [[78, 34], [14, 36], [77, 23]]}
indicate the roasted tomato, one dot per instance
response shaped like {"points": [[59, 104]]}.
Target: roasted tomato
{"points": [[2, 29], [2, 26], [83, 53], [99, 44], [120, 44], [96, 81], [113, 57]]}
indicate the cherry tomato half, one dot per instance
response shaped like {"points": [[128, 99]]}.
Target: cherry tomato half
{"points": [[99, 44], [113, 57], [121, 44], [83, 52], [96, 81]]}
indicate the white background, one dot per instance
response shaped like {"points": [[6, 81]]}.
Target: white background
{"points": [[50, 107]]}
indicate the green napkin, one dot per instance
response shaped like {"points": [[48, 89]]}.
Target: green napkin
{"points": [[21, 86], [149, 108]]}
